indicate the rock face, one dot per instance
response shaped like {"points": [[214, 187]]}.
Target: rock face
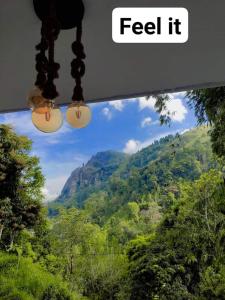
{"points": [[90, 177]]}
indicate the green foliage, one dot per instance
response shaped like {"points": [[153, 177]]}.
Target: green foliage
{"points": [[155, 183], [151, 226], [209, 108], [23, 280], [212, 285], [20, 186], [132, 204], [155, 169], [188, 246], [91, 265]]}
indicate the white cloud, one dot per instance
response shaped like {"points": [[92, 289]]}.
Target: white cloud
{"points": [[186, 130], [20, 121], [132, 146], [146, 103], [179, 95], [174, 107], [117, 104], [58, 169], [107, 113], [48, 196], [146, 122], [53, 188]]}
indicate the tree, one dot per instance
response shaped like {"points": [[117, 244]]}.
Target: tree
{"points": [[92, 265], [21, 182], [188, 248], [209, 107]]}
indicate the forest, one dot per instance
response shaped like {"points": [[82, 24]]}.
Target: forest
{"points": [[126, 227]]}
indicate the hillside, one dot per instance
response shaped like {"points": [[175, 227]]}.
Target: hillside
{"points": [[90, 177], [162, 164], [141, 227]]}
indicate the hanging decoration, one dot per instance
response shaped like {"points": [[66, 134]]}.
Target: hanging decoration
{"points": [[55, 16], [78, 113]]}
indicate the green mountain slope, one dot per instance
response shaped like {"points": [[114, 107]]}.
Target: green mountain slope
{"points": [[177, 159], [126, 178], [167, 161], [90, 177]]}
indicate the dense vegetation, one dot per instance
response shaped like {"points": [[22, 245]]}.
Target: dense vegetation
{"points": [[23, 225], [140, 227], [209, 107]]}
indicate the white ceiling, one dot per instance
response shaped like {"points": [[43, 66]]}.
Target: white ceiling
{"points": [[114, 71]]}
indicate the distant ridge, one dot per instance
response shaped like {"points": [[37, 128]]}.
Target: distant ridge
{"points": [[90, 177], [166, 161]]}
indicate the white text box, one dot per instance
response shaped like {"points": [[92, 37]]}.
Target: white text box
{"points": [[150, 25]]}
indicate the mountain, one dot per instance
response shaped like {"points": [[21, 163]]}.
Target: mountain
{"points": [[90, 177], [161, 166], [127, 178]]}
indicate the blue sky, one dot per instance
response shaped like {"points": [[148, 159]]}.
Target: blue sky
{"points": [[123, 125]]}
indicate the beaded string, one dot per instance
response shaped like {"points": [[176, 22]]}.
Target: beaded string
{"points": [[47, 67], [78, 66]]}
